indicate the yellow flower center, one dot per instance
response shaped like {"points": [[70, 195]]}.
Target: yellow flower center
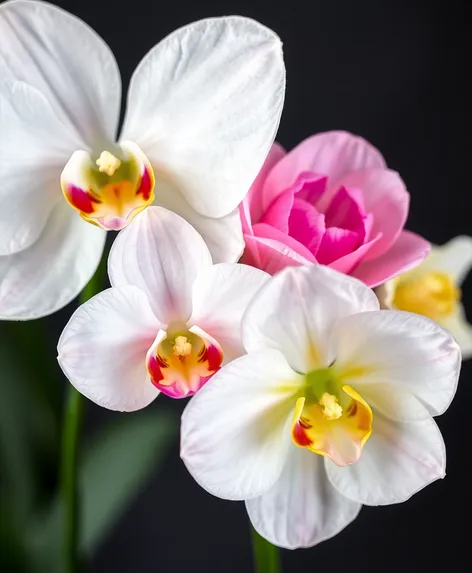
{"points": [[331, 419], [432, 294]]}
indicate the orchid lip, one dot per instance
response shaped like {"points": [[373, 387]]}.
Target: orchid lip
{"points": [[330, 418], [112, 189], [182, 360]]}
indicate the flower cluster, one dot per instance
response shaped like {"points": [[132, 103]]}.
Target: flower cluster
{"points": [[313, 394]]}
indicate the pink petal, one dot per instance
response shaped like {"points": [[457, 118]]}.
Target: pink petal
{"points": [[272, 255], [277, 215], [349, 262], [267, 232], [306, 225], [251, 206], [334, 153], [337, 243], [310, 187], [386, 197], [344, 212], [408, 252]]}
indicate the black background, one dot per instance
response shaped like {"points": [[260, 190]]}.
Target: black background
{"points": [[395, 73]]}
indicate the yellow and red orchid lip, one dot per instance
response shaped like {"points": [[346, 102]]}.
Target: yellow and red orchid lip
{"points": [[112, 190], [180, 362], [336, 426]]}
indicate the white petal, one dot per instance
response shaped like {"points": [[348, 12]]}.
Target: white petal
{"points": [[223, 236], [402, 351], [33, 149], [453, 258], [302, 508], [102, 349], [235, 433], [161, 254], [205, 104], [397, 461], [48, 275], [295, 311], [221, 295], [461, 330], [66, 61]]}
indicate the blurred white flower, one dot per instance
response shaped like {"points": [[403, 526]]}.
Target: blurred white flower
{"points": [[433, 289], [202, 112], [330, 409]]}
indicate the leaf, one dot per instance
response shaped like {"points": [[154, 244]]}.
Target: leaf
{"points": [[114, 468]]}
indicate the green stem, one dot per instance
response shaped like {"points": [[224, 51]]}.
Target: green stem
{"points": [[73, 415], [266, 555]]}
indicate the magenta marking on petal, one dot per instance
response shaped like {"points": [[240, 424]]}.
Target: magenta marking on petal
{"points": [[147, 184], [213, 356], [112, 223], [80, 199]]}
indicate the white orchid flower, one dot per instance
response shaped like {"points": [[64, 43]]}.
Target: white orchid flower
{"points": [[330, 408], [433, 289], [169, 321], [202, 112]]}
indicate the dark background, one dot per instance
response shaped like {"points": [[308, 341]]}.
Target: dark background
{"points": [[395, 73]]}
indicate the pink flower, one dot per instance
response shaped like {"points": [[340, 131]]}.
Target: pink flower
{"points": [[332, 201]]}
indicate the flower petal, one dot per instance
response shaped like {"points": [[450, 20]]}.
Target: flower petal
{"points": [[266, 231], [348, 263], [453, 258], [302, 508], [221, 294], [235, 434], [334, 153], [461, 330], [48, 275], [278, 212], [397, 461], [336, 244], [251, 208], [296, 309], [205, 104], [407, 252], [386, 198], [307, 225], [272, 255], [67, 62], [399, 350], [223, 236], [34, 146], [102, 349], [161, 254]]}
